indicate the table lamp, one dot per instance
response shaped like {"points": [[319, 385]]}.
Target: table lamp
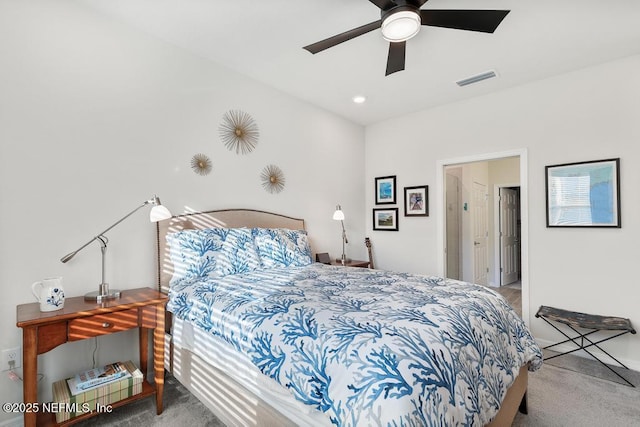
{"points": [[338, 215], [158, 213]]}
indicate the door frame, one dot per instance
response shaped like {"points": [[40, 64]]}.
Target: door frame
{"points": [[440, 207], [496, 228]]}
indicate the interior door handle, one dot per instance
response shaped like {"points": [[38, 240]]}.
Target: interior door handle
{"points": [[476, 243]]}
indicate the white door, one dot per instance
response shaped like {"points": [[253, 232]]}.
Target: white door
{"points": [[479, 211], [453, 226], [509, 236]]}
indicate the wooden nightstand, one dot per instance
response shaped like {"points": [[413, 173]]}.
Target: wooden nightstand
{"points": [[79, 319], [352, 263]]}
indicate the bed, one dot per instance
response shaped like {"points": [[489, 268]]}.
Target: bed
{"points": [[271, 339]]}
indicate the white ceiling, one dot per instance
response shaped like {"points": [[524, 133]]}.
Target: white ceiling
{"points": [[263, 39]]}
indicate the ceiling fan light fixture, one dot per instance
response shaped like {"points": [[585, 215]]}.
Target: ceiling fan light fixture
{"points": [[401, 26]]}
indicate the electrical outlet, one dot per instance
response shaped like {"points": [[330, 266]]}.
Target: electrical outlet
{"points": [[8, 355]]}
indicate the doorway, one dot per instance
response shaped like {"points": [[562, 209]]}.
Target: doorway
{"points": [[458, 257]]}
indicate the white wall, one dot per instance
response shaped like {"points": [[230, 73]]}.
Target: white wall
{"points": [[584, 115], [96, 118]]}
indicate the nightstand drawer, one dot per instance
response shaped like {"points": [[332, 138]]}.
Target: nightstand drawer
{"points": [[102, 324]]}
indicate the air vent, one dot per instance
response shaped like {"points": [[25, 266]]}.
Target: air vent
{"points": [[477, 78]]}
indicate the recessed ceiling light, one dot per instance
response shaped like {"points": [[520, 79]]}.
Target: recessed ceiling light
{"points": [[359, 99]]}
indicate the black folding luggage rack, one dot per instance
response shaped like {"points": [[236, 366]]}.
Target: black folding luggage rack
{"points": [[596, 323]]}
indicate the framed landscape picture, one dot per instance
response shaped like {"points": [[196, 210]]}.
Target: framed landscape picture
{"points": [[385, 219], [386, 190], [585, 194], [416, 201]]}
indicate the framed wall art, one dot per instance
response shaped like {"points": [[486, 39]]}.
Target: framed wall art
{"points": [[584, 194], [385, 219], [416, 201], [386, 190]]}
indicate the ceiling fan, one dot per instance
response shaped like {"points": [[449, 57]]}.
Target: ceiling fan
{"points": [[401, 19]]}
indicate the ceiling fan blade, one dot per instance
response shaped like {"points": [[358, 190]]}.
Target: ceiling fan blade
{"points": [[395, 60], [485, 21], [342, 37], [384, 4]]}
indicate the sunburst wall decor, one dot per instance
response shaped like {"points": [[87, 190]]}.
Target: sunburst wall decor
{"points": [[239, 131], [272, 179], [201, 164]]}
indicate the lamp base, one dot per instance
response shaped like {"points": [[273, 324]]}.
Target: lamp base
{"points": [[102, 294], [98, 298]]}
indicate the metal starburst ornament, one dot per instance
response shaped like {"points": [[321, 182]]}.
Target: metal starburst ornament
{"points": [[201, 164], [272, 179], [239, 131]]}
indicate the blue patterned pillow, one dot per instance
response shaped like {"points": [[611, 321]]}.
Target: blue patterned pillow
{"points": [[278, 247], [212, 252], [238, 254], [189, 253]]}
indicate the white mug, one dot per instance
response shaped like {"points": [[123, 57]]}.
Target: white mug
{"points": [[49, 293]]}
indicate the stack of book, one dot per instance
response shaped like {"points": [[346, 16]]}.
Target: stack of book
{"points": [[95, 388], [96, 377]]}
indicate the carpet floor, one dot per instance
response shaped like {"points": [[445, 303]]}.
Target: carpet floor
{"points": [[181, 408], [565, 398]]}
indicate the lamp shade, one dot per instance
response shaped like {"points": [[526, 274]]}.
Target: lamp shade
{"points": [[338, 215], [159, 213], [401, 26]]}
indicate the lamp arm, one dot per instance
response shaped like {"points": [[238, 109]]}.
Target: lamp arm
{"points": [[344, 232], [70, 255]]}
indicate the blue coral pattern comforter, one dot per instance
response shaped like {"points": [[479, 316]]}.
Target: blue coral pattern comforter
{"points": [[369, 347]]}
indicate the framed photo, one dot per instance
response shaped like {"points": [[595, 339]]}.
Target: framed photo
{"points": [[585, 194], [386, 190], [416, 201], [385, 219]]}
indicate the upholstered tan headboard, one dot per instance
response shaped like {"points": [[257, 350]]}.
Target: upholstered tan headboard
{"points": [[228, 218]]}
